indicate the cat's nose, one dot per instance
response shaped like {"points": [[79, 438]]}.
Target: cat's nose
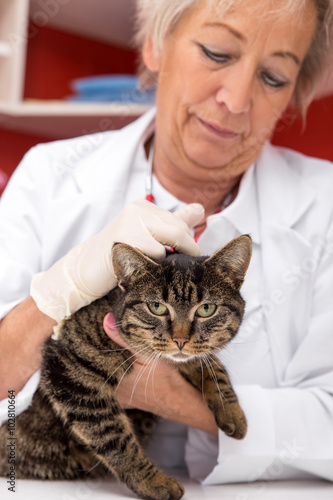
{"points": [[180, 342]]}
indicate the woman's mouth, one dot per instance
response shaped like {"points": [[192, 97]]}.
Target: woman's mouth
{"points": [[217, 130]]}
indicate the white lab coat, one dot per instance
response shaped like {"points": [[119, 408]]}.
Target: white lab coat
{"points": [[281, 362]]}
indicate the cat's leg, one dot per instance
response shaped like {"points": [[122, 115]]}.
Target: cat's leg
{"points": [[43, 449], [214, 382], [107, 431], [4, 435]]}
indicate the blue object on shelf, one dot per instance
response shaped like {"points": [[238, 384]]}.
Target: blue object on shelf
{"points": [[111, 88]]}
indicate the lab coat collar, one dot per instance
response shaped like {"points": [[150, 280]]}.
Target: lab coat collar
{"points": [[259, 202], [243, 212], [113, 158], [260, 193]]}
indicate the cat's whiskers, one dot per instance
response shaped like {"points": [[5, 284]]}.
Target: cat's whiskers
{"points": [[125, 361], [218, 349], [107, 350], [135, 360], [88, 471], [153, 366], [221, 353], [122, 349], [128, 368], [158, 356], [202, 379], [212, 374], [233, 357], [218, 364], [210, 368], [227, 354], [139, 375]]}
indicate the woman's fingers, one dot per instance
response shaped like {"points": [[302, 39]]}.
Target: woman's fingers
{"points": [[191, 214], [110, 327]]}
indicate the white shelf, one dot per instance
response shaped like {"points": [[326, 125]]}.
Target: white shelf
{"points": [[62, 119], [107, 20]]}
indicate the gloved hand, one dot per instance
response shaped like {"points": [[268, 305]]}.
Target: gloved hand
{"points": [[85, 273]]}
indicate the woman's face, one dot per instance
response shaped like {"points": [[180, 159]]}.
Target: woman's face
{"points": [[224, 81]]}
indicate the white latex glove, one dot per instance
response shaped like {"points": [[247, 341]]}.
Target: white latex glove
{"points": [[85, 273]]}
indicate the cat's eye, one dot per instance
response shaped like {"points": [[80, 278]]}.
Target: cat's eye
{"points": [[158, 308], [206, 310]]}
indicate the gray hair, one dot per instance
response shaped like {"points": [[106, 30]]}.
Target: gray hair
{"points": [[157, 18]]}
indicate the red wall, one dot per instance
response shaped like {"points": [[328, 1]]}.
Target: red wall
{"points": [[54, 58], [317, 137]]}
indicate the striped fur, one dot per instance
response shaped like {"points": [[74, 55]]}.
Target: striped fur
{"points": [[75, 427]]}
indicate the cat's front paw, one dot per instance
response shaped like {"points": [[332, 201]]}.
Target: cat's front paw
{"points": [[160, 487], [232, 421]]}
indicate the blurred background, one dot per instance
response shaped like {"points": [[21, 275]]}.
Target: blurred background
{"points": [[67, 68]]}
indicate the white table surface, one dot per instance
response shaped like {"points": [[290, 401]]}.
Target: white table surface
{"points": [[110, 490]]}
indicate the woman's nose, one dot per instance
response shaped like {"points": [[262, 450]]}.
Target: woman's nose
{"points": [[236, 91]]}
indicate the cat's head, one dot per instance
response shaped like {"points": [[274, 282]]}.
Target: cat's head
{"points": [[180, 306]]}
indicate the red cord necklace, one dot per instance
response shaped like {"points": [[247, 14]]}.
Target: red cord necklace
{"points": [[149, 174]]}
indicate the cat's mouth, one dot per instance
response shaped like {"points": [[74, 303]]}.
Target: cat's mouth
{"points": [[180, 356]]}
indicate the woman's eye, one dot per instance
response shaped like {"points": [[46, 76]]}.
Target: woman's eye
{"points": [[206, 310], [158, 308], [273, 81], [214, 56]]}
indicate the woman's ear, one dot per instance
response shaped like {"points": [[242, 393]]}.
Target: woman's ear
{"points": [[152, 62]]}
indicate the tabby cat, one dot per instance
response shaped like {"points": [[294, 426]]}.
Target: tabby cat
{"points": [[183, 310]]}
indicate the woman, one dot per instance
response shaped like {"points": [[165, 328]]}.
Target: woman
{"points": [[223, 81]]}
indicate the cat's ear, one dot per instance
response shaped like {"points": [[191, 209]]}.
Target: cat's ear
{"points": [[129, 263], [232, 261]]}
